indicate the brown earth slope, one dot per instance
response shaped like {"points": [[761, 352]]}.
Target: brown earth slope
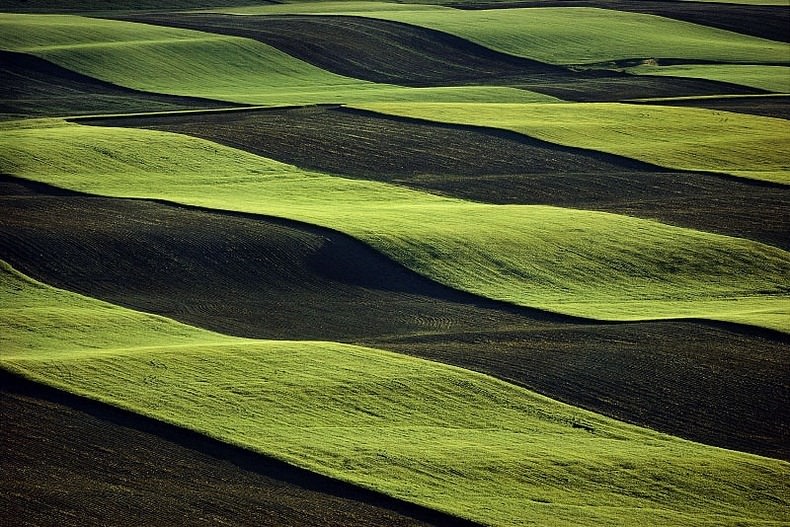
{"points": [[395, 53], [489, 165], [771, 22], [70, 461], [34, 87], [259, 277]]}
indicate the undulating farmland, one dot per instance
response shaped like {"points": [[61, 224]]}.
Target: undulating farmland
{"points": [[461, 262]]}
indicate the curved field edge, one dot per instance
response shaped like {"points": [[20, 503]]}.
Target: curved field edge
{"points": [[112, 473], [392, 52], [771, 78], [554, 34], [693, 139], [197, 64], [487, 165], [610, 267], [262, 277], [431, 434]]}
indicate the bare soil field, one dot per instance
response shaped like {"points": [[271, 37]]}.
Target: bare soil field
{"points": [[70, 461], [769, 106], [35, 87], [488, 165], [259, 277], [395, 53], [771, 22]]}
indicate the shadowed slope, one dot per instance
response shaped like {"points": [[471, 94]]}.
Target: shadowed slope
{"points": [[769, 22], [489, 165], [395, 53], [35, 87], [64, 6], [71, 461], [771, 106], [255, 277]]}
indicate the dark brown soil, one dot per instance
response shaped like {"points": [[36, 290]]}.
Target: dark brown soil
{"points": [[719, 384], [70, 461], [68, 6], [769, 106], [492, 166], [395, 53], [34, 87], [772, 22]]}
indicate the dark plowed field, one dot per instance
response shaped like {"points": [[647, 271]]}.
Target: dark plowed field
{"points": [[69, 461], [259, 277], [769, 106], [772, 22], [390, 52], [35, 87], [489, 165]]}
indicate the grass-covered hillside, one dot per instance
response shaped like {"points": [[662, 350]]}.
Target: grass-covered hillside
{"points": [[440, 263], [440, 436]]}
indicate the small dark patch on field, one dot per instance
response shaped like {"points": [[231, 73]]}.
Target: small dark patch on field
{"points": [[772, 22], [770, 106], [66, 460], [34, 87], [395, 53], [490, 165], [255, 276]]}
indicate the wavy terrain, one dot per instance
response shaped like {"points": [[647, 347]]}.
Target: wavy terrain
{"points": [[35, 87], [265, 278], [504, 252], [488, 165], [389, 52], [379, 295], [698, 139], [766, 21], [72, 461], [198, 64], [429, 433], [554, 34]]}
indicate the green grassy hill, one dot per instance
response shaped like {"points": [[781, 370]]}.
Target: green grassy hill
{"points": [[457, 441], [554, 34], [459, 217], [191, 63], [552, 258]]}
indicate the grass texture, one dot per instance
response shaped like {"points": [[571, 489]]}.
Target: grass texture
{"points": [[571, 35], [770, 78], [680, 138], [432, 434], [197, 64], [591, 264]]}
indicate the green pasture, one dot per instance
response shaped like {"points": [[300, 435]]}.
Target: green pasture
{"points": [[591, 264], [680, 138], [193, 63], [568, 35], [432, 434], [770, 78]]}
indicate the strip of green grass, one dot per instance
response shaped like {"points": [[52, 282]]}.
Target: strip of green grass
{"points": [[197, 64], [428, 433], [571, 35], [590, 264], [770, 78], [681, 138]]}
